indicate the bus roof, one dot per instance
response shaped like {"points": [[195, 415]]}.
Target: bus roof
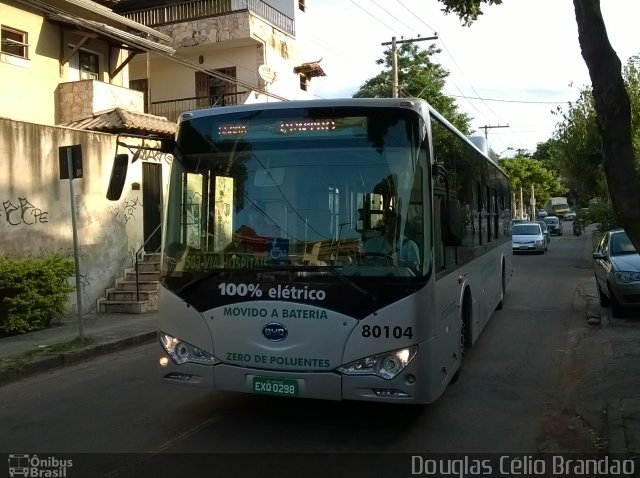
{"points": [[415, 103], [419, 105]]}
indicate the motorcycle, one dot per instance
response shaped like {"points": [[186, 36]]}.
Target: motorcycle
{"points": [[577, 228]]}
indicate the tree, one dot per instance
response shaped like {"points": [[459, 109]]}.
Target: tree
{"points": [[418, 77], [611, 103], [576, 146], [525, 172], [576, 151], [613, 115]]}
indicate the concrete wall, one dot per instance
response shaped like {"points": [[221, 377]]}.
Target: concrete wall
{"points": [[35, 212]]}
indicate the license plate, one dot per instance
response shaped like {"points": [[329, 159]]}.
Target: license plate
{"points": [[275, 386], [524, 247]]}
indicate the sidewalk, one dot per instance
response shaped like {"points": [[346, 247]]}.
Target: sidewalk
{"points": [[617, 381], [26, 354]]}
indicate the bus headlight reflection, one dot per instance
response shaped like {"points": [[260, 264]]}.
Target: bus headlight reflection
{"points": [[386, 365], [183, 352]]}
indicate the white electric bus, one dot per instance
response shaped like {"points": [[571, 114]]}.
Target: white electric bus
{"points": [[269, 285]]}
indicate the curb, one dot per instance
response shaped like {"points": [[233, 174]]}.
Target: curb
{"points": [[44, 364]]}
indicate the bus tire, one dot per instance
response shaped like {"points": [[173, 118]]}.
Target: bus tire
{"points": [[503, 286], [465, 331]]}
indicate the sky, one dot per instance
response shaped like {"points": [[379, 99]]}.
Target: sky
{"points": [[515, 65]]}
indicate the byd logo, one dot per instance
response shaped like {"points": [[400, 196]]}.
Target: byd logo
{"points": [[275, 332]]}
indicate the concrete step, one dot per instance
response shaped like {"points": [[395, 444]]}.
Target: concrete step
{"points": [[123, 307], [130, 295], [130, 285], [147, 266], [157, 257], [130, 275]]}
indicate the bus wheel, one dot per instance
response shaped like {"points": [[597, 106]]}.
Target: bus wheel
{"points": [[465, 329], [465, 332], [503, 286]]}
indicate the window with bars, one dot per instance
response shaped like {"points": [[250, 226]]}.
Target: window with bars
{"points": [[14, 42]]}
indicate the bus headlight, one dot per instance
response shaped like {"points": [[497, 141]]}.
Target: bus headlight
{"points": [[183, 352], [386, 365]]}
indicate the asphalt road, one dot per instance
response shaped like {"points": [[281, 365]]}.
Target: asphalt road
{"points": [[515, 395]]}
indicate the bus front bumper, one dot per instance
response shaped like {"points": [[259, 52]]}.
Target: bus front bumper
{"points": [[330, 385]]}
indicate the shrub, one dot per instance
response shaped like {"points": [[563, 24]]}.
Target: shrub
{"points": [[33, 292], [599, 212], [602, 213]]}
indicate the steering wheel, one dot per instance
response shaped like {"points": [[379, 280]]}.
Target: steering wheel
{"points": [[388, 258]]}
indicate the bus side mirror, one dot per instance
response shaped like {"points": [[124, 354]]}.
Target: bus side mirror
{"points": [[118, 176], [167, 145]]}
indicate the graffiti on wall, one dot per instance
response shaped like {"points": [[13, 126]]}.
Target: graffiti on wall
{"points": [[84, 280], [23, 213], [126, 210]]}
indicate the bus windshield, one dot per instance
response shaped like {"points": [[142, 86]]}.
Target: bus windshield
{"points": [[307, 190]]}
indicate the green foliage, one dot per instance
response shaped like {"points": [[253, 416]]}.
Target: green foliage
{"points": [[33, 292], [576, 149], [418, 77], [601, 213], [467, 10], [576, 145], [631, 74], [525, 172]]}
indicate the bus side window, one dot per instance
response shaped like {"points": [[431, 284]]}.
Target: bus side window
{"points": [[414, 228], [478, 201], [445, 254], [437, 232], [489, 198]]}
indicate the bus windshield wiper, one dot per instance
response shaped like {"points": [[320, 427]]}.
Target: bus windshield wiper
{"points": [[334, 270]]}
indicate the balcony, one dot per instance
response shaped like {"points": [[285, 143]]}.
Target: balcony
{"points": [[81, 99], [199, 9], [173, 108]]}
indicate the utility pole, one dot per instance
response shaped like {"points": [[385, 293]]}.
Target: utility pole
{"points": [[533, 204], [394, 58], [486, 128], [521, 205]]}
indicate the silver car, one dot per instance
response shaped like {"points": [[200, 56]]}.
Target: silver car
{"points": [[545, 232], [617, 272], [528, 237]]}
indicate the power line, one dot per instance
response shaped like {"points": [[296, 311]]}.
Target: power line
{"points": [[512, 101], [390, 14], [487, 127], [394, 57], [372, 16], [416, 16], [456, 64]]}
